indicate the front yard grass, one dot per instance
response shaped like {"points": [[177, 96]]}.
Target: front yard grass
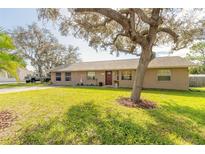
{"points": [[198, 88], [66, 115]]}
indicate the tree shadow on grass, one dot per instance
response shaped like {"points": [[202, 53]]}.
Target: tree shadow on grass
{"points": [[197, 115], [182, 121], [89, 124]]}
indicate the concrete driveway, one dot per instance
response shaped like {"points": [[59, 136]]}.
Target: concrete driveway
{"points": [[20, 89]]}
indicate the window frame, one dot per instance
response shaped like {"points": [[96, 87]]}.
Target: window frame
{"points": [[58, 76], [166, 74], [123, 76], [89, 77], [68, 76]]}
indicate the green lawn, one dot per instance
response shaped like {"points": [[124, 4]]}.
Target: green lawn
{"points": [[12, 85], [198, 88], [66, 115]]}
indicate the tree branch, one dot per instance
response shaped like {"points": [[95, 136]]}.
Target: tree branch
{"points": [[135, 36], [179, 48], [144, 32], [144, 17], [107, 20], [119, 18], [132, 22], [170, 32], [110, 13], [165, 30], [127, 51], [124, 11], [156, 16], [115, 39], [120, 34]]}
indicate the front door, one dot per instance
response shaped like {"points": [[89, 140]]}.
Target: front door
{"points": [[108, 77]]}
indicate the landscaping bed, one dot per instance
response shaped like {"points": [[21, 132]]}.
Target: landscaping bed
{"points": [[144, 104], [6, 118]]}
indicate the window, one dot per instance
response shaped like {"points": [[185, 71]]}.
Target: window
{"points": [[58, 76], [67, 76], [126, 75], [164, 75], [91, 76]]}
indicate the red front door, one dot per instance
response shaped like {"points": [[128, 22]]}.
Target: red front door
{"points": [[108, 77]]}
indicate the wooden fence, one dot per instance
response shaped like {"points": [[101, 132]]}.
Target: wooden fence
{"points": [[197, 80]]}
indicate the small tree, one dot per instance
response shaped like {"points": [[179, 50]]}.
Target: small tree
{"points": [[135, 31], [197, 54], [43, 50]]}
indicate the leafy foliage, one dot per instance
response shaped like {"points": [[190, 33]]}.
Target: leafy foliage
{"points": [[197, 55], [43, 50], [6, 42], [197, 69], [9, 62], [106, 28], [6, 63]]}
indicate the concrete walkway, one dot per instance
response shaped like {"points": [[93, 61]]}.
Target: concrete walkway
{"points": [[20, 89]]}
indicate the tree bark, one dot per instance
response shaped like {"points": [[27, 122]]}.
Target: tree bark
{"points": [[146, 56], [144, 60]]}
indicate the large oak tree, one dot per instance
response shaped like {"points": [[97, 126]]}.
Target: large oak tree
{"points": [[42, 48], [132, 30]]}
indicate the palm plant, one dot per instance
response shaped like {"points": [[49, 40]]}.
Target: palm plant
{"points": [[8, 62]]}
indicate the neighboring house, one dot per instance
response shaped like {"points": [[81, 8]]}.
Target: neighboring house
{"points": [[162, 73], [6, 77]]}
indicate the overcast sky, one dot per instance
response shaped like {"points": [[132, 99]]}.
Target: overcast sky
{"points": [[11, 18]]}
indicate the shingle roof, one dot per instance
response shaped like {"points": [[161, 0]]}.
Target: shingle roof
{"points": [[160, 62]]}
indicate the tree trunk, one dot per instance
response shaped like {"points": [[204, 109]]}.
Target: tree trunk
{"points": [[40, 73], [144, 60]]}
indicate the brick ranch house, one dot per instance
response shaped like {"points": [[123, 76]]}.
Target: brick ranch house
{"points": [[162, 73]]}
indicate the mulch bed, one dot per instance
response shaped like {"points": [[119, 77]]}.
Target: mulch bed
{"points": [[145, 104], [6, 118]]}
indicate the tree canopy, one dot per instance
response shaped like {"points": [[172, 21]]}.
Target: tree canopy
{"points": [[197, 55], [126, 30], [41, 47]]}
